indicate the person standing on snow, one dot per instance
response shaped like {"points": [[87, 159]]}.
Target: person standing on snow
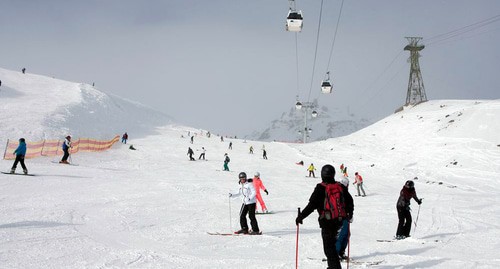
{"points": [[192, 139], [344, 232], [258, 185], [329, 226], [226, 162], [251, 150], [230, 145], [20, 153], [311, 170], [248, 207], [264, 154], [190, 153], [359, 181], [65, 147], [403, 207], [202, 155], [124, 138]]}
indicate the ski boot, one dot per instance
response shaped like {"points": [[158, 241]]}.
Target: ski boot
{"points": [[13, 170], [242, 231], [25, 171], [255, 233]]}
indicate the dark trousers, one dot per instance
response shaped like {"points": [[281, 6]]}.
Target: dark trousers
{"points": [[19, 159], [66, 155], [202, 156], [329, 239], [404, 225], [312, 173], [250, 210], [191, 157]]}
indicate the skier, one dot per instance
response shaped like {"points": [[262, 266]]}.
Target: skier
{"points": [[258, 185], [202, 155], [248, 207], [192, 139], [65, 147], [329, 226], [300, 163], [20, 153], [190, 153], [344, 171], [24, 70], [264, 154], [311, 170], [124, 138], [359, 181], [221, 138], [226, 162], [132, 147], [403, 207], [251, 150], [230, 145], [344, 234]]}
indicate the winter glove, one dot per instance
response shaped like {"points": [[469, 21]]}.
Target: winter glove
{"points": [[298, 220], [351, 219], [419, 201], [267, 193]]}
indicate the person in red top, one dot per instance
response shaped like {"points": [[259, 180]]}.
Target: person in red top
{"points": [[258, 185], [403, 207], [359, 181]]}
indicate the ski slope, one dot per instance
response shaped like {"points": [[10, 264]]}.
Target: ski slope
{"points": [[152, 207]]}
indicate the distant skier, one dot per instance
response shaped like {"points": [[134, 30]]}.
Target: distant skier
{"points": [[190, 153], [202, 155], [230, 145], [20, 153], [23, 70], [124, 138], [221, 138], [358, 181], [344, 171], [403, 207], [65, 147], [264, 154], [344, 232], [192, 139], [300, 163], [311, 170], [248, 207], [258, 185], [251, 150], [226, 162], [132, 147]]}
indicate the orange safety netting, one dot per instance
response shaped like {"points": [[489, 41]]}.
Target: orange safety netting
{"points": [[54, 147]]}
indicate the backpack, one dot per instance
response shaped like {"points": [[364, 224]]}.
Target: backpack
{"points": [[334, 205], [227, 159]]}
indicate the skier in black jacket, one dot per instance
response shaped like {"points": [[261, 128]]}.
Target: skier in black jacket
{"points": [[329, 227]]}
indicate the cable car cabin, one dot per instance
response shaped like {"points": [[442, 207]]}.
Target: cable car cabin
{"points": [[294, 21], [326, 87]]}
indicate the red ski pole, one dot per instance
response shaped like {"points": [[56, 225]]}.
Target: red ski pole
{"points": [[348, 243], [297, 243]]}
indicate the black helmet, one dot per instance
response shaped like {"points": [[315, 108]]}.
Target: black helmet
{"points": [[409, 184], [242, 175], [328, 173], [21, 139]]}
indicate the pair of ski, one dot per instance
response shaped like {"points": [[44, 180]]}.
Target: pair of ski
{"points": [[17, 174], [353, 261], [232, 234]]}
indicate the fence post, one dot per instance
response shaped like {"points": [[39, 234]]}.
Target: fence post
{"points": [[5, 152]]}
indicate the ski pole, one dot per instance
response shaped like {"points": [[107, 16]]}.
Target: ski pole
{"points": [[348, 243], [230, 218], [297, 243], [416, 220]]}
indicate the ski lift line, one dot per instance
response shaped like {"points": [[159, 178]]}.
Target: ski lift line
{"points": [[297, 60], [451, 37], [463, 38], [315, 51], [462, 30], [335, 36]]}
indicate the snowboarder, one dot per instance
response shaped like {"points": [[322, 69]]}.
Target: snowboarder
{"points": [[124, 138], [311, 170], [190, 153], [344, 233], [20, 153], [251, 150], [264, 154], [230, 145], [359, 181], [202, 155], [248, 207], [403, 207], [258, 185], [65, 147], [329, 226], [226, 162]]}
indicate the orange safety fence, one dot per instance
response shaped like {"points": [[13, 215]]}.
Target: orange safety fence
{"points": [[54, 147]]}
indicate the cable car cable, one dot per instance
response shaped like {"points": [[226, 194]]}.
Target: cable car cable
{"points": [[315, 51], [335, 36]]}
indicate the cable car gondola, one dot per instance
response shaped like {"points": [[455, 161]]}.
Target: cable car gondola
{"points": [[326, 85], [294, 21]]}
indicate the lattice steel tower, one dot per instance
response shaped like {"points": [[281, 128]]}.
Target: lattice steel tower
{"points": [[416, 90]]}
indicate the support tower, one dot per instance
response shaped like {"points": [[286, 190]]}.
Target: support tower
{"points": [[416, 90]]}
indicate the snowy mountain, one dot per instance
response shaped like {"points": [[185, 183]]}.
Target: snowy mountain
{"points": [[38, 107], [330, 122], [152, 208]]}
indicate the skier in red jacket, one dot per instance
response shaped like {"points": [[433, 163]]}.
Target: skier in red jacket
{"points": [[258, 185]]}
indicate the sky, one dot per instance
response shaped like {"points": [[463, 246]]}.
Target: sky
{"points": [[238, 61]]}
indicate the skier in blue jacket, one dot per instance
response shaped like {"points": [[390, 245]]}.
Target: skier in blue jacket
{"points": [[20, 152]]}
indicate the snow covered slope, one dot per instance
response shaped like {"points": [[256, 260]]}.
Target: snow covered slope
{"points": [[152, 208], [38, 107]]}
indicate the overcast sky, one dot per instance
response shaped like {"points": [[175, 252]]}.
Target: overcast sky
{"points": [[229, 66]]}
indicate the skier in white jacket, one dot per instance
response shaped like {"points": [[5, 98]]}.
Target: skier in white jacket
{"points": [[248, 207]]}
